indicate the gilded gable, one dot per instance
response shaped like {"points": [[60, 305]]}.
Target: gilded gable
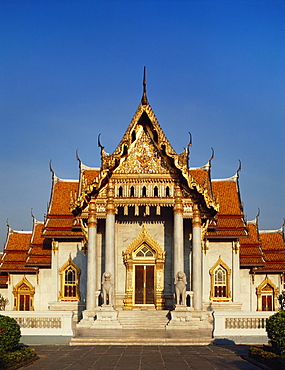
{"points": [[143, 157]]}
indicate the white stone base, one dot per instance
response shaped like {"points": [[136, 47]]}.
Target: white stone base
{"points": [[184, 317], [222, 306], [106, 318], [75, 307], [88, 318]]}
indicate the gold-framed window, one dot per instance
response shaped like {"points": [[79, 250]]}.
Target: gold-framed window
{"points": [[220, 282], [267, 296], [23, 296], [69, 282]]}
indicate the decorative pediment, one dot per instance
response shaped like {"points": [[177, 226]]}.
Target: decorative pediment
{"points": [[24, 286], [266, 285], [145, 244], [220, 262], [144, 157], [68, 263]]}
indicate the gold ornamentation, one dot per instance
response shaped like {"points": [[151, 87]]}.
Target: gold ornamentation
{"points": [[222, 264], [24, 288], [143, 158], [144, 250]]}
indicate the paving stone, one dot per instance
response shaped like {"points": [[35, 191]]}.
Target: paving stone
{"points": [[141, 358]]}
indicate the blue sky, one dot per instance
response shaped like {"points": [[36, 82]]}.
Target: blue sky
{"points": [[70, 70]]}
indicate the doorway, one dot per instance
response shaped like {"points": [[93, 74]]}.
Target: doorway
{"points": [[144, 284]]}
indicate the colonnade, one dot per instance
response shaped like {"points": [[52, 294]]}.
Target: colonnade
{"points": [[178, 238]]}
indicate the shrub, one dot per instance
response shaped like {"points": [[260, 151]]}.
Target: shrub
{"points": [[275, 327], [13, 358], [10, 334]]}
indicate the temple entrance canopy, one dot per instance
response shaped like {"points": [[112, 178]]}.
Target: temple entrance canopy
{"points": [[144, 260]]}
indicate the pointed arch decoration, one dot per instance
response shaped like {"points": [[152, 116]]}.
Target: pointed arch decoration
{"points": [[144, 251], [23, 295], [220, 275], [69, 282], [267, 295]]}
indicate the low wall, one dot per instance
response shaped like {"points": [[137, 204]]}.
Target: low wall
{"points": [[241, 327], [43, 327]]}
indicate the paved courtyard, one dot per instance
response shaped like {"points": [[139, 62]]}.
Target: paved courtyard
{"points": [[111, 357]]}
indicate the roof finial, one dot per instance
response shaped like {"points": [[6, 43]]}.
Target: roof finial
{"points": [[144, 98]]}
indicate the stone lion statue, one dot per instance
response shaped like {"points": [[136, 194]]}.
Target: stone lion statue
{"points": [[180, 288], [107, 287]]}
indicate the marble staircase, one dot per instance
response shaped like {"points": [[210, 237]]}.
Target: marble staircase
{"points": [[147, 327], [143, 319]]}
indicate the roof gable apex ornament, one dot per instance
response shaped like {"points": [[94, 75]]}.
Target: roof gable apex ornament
{"points": [[144, 100], [255, 220], [77, 158], [187, 149], [209, 163]]}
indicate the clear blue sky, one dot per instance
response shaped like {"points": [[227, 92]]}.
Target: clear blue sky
{"points": [[72, 69]]}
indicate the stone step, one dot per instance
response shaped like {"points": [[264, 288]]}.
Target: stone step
{"points": [[140, 341], [143, 319]]}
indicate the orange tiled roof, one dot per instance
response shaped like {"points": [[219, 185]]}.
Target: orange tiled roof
{"points": [[229, 221], [274, 251], [3, 279], [39, 253], [202, 177], [15, 252], [272, 241], [60, 221], [228, 194], [253, 238], [18, 241], [60, 200], [250, 249], [90, 175]]}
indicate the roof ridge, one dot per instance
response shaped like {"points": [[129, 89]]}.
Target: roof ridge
{"points": [[206, 167], [279, 231], [20, 232], [58, 179], [84, 167], [233, 178]]}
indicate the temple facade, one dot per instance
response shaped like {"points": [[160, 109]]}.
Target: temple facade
{"points": [[143, 232]]}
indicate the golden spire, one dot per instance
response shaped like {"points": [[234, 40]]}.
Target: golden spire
{"points": [[144, 98]]}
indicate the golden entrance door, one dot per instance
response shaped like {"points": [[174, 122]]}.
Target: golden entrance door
{"points": [[144, 284]]}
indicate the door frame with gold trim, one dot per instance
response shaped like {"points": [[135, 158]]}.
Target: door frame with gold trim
{"points": [[144, 251]]}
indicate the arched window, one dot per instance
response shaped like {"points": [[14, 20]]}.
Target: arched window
{"points": [[69, 278], [167, 191], [132, 191], [220, 282], [144, 191], [155, 191], [70, 283], [120, 191]]}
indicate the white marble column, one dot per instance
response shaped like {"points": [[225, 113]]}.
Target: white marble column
{"points": [[197, 258], [54, 272], [110, 232], [235, 272], [91, 257], [178, 232]]}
